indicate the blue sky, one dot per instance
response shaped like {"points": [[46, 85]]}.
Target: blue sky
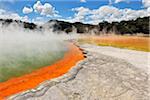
{"points": [[64, 7]]}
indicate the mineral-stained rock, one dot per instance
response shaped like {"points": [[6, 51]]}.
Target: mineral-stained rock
{"points": [[98, 77]]}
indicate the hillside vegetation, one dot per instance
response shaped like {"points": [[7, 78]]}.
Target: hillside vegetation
{"points": [[140, 25]]}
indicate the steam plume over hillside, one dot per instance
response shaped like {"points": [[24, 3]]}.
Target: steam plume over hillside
{"points": [[24, 50]]}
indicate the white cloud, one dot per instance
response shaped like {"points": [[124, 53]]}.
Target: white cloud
{"points": [[25, 19], [146, 3], [110, 2], [39, 20], [117, 1], [107, 13], [38, 7], [46, 9], [110, 14], [2, 11], [148, 10], [81, 13], [82, 0], [11, 15], [27, 10]]}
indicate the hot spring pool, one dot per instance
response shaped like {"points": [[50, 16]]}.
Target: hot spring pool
{"points": [[22, 53], [21, 65], [15, 64]]}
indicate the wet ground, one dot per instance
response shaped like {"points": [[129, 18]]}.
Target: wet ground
{"points": [[98, 77]]}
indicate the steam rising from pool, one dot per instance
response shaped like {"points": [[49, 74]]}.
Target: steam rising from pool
{"points": [[22, 50]]}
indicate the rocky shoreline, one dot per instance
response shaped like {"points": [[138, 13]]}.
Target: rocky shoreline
{"points": [[98, 77]]}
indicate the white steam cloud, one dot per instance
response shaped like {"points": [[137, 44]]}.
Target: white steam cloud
{"points": [[23, 50]]}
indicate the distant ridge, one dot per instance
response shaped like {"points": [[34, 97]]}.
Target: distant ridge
{"points": [[140, 25], [27, 25]]}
